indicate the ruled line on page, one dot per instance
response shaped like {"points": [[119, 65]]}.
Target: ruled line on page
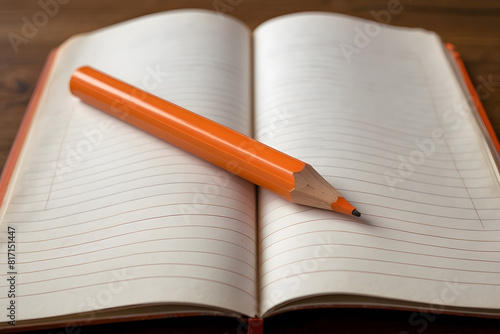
{"points": [[97, 198], [274, 243], [415, 181], [385, 217], [422, 254], [269, 234], [25, 231], [94, 180], [27, 272], [412, 201], [122, 234], [249, 294], [77, 213], [112, 216], [62, 277], [38, 259], [135, 279], [384, 274], [105, 187], [121, 151], [375, 260]]}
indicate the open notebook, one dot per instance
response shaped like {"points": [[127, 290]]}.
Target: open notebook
{"points": [[110, 223]]}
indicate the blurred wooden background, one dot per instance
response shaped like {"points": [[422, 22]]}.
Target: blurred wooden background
{"points": [[472, 26]]}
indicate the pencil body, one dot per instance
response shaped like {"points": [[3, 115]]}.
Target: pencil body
{"points": [[218, 144]]}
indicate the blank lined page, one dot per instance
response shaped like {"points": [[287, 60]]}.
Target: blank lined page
{"points": [[383, 119], [107, 215]]}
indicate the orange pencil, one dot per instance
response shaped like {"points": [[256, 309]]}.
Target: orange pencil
{"points": [[282, 174]]}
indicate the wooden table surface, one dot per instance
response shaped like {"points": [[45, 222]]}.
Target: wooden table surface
{"points": [[472, 26]]}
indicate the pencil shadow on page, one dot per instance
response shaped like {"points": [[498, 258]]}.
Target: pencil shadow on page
{"points": [[363, 219]]}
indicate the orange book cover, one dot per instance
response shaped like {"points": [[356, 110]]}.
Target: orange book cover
{"points": [[474, 96]]}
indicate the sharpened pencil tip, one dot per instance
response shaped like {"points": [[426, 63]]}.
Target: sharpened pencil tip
{"points": [[356, 213]]}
